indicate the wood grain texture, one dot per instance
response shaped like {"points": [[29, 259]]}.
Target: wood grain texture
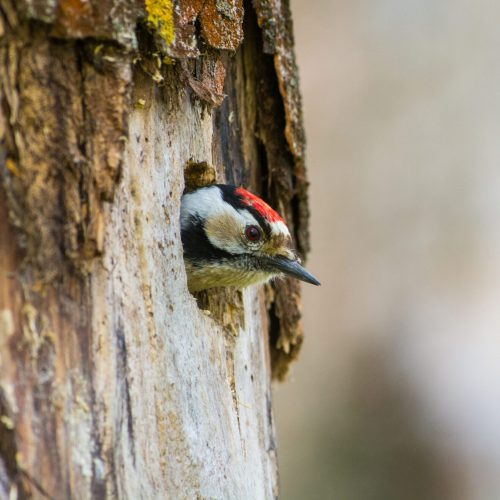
{"points": [[115, 382], [188, 387]]}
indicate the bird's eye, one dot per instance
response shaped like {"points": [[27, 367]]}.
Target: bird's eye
{"points": [[252, 233]]}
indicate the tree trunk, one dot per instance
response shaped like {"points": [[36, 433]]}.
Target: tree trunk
{"points": [[114, 380]]}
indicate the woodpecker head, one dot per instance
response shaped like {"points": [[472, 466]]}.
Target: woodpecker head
{"points": [[233, 238]]}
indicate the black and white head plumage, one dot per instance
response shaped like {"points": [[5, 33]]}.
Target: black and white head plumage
{"points": [[233, 238]]}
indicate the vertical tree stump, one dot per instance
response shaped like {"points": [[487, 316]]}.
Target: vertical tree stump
{"points": [[114, 380]]}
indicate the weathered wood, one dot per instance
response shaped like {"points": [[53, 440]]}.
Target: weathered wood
{"points": [[114, 380], [185, 386]]}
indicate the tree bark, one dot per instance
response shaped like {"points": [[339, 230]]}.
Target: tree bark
{"points": [[114, 380]]}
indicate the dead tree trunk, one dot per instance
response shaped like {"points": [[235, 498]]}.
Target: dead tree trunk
{"points": [[114, 380]]}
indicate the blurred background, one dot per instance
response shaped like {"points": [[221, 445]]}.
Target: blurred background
{"points": [[397, 392]]}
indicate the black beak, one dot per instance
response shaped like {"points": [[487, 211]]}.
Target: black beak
{"points": [[292, 268]]}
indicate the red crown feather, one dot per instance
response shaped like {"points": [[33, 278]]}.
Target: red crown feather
{"points": [[260, 206]]}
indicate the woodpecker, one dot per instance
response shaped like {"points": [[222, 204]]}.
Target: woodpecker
{"points": [[233, 238]]}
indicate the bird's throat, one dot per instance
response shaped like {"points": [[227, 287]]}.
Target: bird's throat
{"points": [[210, 276]]}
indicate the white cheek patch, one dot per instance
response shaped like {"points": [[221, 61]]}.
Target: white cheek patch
{"points": [[225, 230], [229, 246]]}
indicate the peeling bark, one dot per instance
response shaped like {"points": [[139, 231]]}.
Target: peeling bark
{"points": [[114, 380]]}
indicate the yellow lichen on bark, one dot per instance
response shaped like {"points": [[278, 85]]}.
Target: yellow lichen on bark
{"points": [[161, 18]]}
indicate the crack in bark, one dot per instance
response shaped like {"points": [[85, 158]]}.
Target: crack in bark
{"points": [[122, 377]]}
